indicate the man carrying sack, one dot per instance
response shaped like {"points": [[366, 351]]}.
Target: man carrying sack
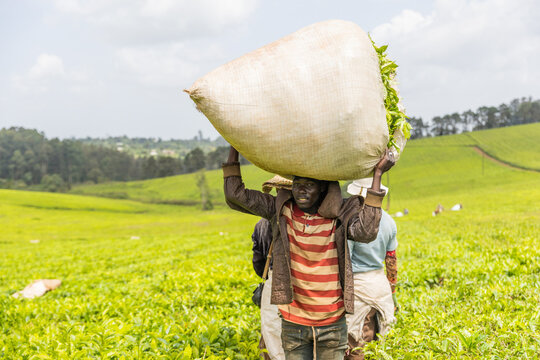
{"points": [[312, 274]]}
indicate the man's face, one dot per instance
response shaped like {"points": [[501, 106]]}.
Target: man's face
{"points": [[306, 193]]}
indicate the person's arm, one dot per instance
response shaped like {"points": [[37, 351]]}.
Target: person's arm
{"points": [[365, 226], [391, 274], [391, 269], [233, 155], [242, 199], [391, 261], [262, 237], [385, 164]]}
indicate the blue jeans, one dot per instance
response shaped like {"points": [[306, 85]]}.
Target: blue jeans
{"points": [[301, 342]]}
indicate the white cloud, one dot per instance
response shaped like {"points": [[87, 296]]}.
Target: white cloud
{"points": [[150, 21], [48, 71], [47, 66], [167, 65], [480, 52], [163, 43], [406, 22]]}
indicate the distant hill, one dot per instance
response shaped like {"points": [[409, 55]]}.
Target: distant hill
{"points": [[429, 168], [156, 146]]}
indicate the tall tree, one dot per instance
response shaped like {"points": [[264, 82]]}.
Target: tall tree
{"points": [[216, 157], [150, 168], [194, 160], [206, 201], [419, 128]]}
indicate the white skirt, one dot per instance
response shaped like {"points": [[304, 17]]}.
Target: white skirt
{"points": [[371, 290]]}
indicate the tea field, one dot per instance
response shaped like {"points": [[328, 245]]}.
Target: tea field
{"points": [[139, 281], [153, 281]]}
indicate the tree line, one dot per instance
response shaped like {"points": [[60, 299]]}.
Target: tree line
{"points": [[29, 159], [519, 111]]}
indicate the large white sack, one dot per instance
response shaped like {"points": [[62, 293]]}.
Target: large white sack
{"points": [[310, 104]]}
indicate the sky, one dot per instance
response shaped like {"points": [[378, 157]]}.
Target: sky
{"points": [[78, 68]]}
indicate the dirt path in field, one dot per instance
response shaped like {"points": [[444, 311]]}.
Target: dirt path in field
{"points": [[500, 162]]}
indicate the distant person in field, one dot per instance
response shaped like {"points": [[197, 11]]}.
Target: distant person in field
{"points": [[312, 280], [262, 239], [439, 209], [375, 298]]}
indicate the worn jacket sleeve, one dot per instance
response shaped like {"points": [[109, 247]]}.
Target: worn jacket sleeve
{"points": [[365, 226], [242, 199]]}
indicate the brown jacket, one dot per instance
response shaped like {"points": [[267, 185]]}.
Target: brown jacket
{"points": [[357, 219]]}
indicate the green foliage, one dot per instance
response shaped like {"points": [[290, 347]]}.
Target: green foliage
{"points": [[195, 160], [139, 281], [395, 118], [518, 111], [27, 157], [53, 183]]}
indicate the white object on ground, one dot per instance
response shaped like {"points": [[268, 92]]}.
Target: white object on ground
{"points": [[271, 323], [37, 288], [456, 207], [310, 104], [398, 214]]}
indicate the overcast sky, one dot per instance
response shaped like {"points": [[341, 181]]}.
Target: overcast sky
{"points": [[117, 67]]}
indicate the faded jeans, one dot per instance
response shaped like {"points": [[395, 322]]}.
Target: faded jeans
{"points": [[302, 342]]}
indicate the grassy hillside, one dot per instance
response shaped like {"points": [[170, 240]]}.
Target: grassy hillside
{"points": [[428, 167], [518, 145], [181, 189], [143, 280]]}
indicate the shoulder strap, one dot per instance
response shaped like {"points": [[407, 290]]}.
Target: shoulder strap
{"points": [[268, 258]]}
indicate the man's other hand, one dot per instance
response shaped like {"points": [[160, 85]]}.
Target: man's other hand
{"points": [[386, 162]]}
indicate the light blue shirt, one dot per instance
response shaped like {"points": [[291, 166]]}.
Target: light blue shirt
{"points": [[370, 256]]}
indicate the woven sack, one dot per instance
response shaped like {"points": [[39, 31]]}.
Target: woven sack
{"points": [[309, 104]]}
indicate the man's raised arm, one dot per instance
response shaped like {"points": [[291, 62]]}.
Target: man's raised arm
{"points": [[238, 197], [365, 226]]}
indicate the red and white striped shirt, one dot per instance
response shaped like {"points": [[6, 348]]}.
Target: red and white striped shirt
{"points": [[317, 292]]}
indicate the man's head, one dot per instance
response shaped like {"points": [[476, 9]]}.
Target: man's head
{"points": [[308, 193]]}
